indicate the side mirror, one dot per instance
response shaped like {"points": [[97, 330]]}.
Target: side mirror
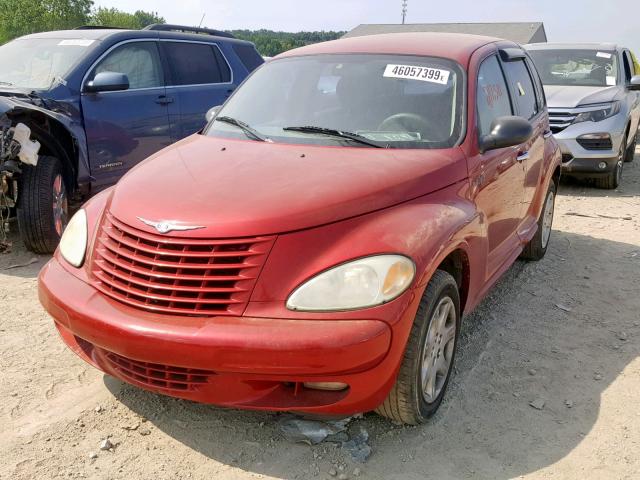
{"points": [[107, 82], [634, 83], [212, 112], [506, 132]]}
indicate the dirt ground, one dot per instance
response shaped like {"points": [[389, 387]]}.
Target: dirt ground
{"points": [[565, 331]]}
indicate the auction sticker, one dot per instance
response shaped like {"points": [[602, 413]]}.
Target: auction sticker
{"points": [[411, 72]]}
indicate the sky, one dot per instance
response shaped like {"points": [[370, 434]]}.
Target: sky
{"points": [[615, 21]]}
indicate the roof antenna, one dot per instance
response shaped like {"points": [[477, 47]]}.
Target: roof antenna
{"points": [[202, 19], [404, 10]]}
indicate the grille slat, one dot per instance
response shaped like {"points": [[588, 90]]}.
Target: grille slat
{"points": [[174, 275], [159, 376]]}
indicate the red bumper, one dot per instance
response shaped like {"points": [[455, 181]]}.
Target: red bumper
{"points": [[240, 362]]}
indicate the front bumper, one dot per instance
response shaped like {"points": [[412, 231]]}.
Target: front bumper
{"points": [[580, 161], [255, 363]]}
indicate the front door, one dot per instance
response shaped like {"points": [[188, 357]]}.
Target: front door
{"points": [[497, 176], [528, 96], [125, 127]]}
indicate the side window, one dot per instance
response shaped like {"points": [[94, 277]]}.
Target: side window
{"points": [[542, 101], [628, 66], [196, 63], [248, 56], [140, 61], [492, 97], [522, 88]]}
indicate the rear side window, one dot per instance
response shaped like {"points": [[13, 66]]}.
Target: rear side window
{"points": [[522, 88], [492, 95], [139, 61], [196, 63], [248, 56]]}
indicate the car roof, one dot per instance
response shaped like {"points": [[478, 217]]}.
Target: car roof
{"points": [[100, 34], [455, 46], [568, 46]]}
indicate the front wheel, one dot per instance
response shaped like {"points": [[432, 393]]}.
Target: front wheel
{"points": [[43, 207], [428, 360], [537, 247]]}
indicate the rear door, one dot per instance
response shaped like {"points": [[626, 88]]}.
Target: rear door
{"points": [[125, 127], [498, 174], [529, 102], [199, 78]]}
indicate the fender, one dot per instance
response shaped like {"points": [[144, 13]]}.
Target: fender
{"points": [[426, 229], [26, 111]]}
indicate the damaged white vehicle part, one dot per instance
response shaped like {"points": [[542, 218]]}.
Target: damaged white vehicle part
{"points": [[28, 148]]}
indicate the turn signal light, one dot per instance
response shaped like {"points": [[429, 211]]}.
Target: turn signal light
{"points": [[331, 386]]}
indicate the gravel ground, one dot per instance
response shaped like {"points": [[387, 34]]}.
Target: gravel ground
{"points": [[562, 334]]}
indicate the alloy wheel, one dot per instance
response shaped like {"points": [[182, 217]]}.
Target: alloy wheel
{"points": [[547, 218], [60, 205], [438, 349]]}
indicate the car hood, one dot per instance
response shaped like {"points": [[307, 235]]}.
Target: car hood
{"points": [[237, 188], [560, 96]]}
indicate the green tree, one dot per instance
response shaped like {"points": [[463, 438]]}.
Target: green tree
{"points": [[112, 17], [270, 43], [21, 17]]}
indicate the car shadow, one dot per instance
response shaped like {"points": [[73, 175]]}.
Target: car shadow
{"points": [[629, 186], [559, 332]]}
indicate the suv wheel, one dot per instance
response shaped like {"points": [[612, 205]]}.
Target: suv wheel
{"points": [[429, 355], [614, 178], [43, 207], [537, 247], [631, 151]]}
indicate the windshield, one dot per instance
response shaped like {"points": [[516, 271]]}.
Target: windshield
{"points": [[590, 68], [386, 100], [35, 63]]}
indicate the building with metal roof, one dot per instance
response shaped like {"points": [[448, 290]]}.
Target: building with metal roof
{"points": [[519, 32]]}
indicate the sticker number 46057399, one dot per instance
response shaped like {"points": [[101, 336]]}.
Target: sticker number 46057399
{"points": [[411, 72]]}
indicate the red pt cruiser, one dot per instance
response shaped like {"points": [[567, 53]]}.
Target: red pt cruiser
{"points": [[315, 247]]}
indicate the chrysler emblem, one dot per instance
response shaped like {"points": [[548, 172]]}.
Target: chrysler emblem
{"points": [[165, 226]]}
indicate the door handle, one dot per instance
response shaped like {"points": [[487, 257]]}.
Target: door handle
{"points": [[164, 100], [547, 134], [522, 157]]}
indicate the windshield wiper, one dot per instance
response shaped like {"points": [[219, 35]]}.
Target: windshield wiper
{"points": [[336, 133], [9, 84], [246, 128]]}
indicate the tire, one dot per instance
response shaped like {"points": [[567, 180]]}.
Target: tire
{"points": [[406, 402], [43, 209], [537, 247], [631, 150], [613, 179]]}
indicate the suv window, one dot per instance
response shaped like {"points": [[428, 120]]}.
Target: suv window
{"points": [[522, 88], [628, 66], [248, 56], [196, 63], [492, 97], [140, 61]]}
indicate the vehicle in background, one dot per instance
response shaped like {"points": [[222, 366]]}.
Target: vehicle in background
{"points": [[594, 106], [315, 247], [79, 108]]}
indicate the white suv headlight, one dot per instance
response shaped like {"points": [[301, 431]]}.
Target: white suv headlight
{"points": [[361, 283], [73, 244]]}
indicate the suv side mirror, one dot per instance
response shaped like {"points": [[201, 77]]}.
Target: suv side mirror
{"points": [[107, 82], [212, 112], [506, 132], [634, 83]]}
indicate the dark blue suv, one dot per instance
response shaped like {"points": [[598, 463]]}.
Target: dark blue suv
{"points": [[98, 101]]}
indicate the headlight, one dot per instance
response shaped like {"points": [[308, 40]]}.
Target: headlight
{"points": [[597, 113], [73, 244], [365, 282]]}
